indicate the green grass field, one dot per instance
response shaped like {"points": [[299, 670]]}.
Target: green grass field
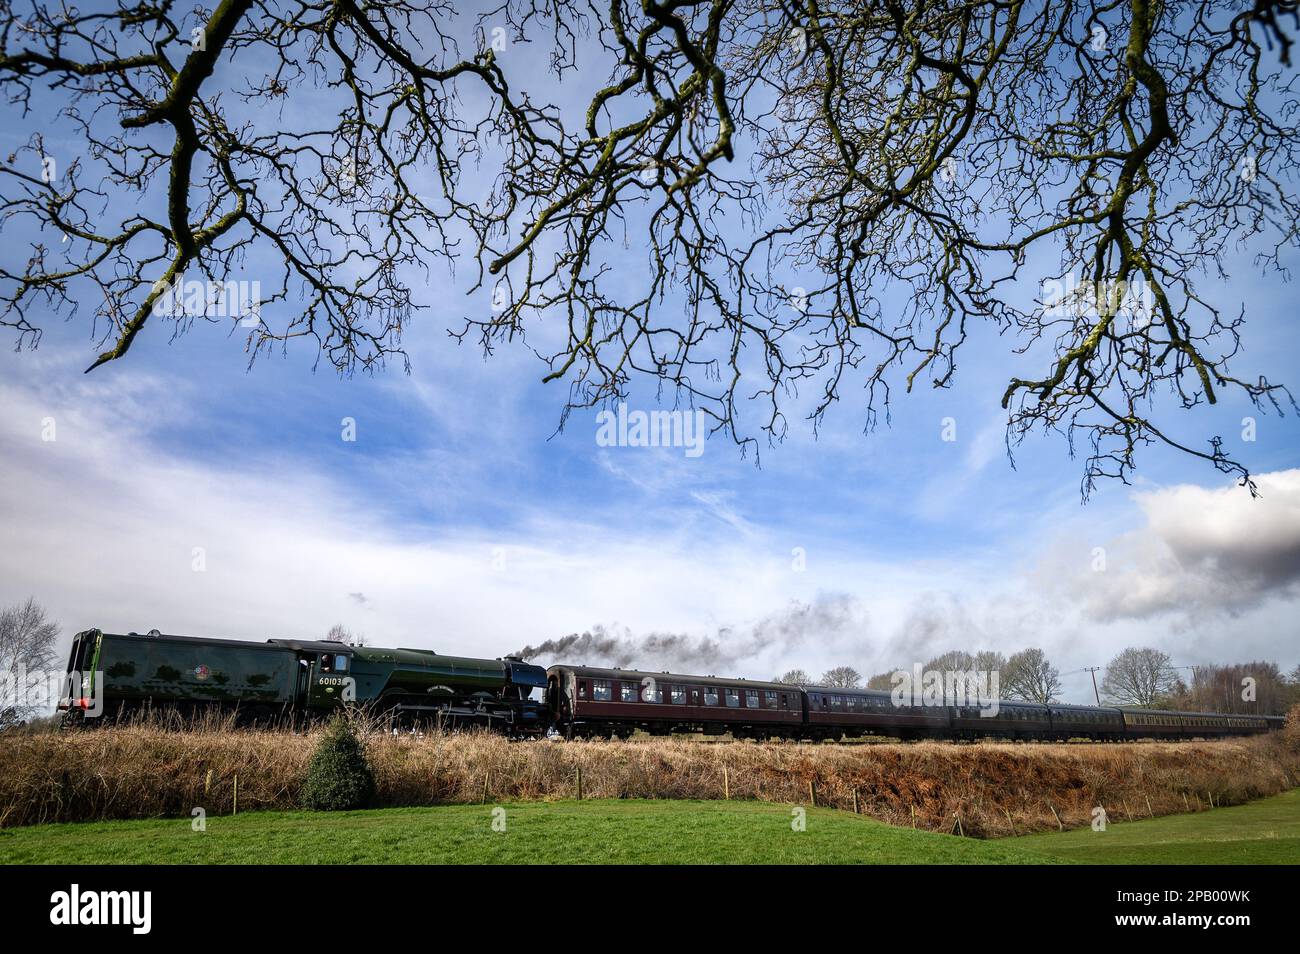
{"points": [[1260, 833], [635, 831], [628, 831]]}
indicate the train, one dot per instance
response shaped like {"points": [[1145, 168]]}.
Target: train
{"points": [[109, 675]]}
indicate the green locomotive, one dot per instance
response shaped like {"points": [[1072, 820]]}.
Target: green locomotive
{"points": [[110, 673]]}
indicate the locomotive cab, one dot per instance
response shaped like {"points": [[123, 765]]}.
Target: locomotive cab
{"points": [[329, 678]]}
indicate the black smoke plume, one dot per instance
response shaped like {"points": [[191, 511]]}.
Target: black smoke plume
{"points": [[834, 618]]}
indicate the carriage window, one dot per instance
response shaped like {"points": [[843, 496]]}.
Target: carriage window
{"points": [[582, 690], [710, 695], [341, 663], [651, 692], [784, 703], [733, 698], [751, 698], [629, 693], [600, 690], [837, 702], [769, 699], [679, 695]]}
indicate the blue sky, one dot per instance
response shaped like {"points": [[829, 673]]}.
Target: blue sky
{"points": [[460, 520]]}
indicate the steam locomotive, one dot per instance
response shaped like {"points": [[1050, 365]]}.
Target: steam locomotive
{"points": [[111, 674]]}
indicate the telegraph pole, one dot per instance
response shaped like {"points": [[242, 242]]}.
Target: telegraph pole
{"points": [[1093, 671]]}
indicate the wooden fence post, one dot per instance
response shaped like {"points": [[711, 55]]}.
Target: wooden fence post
{"points": [[812, 792], [726, 783], [234, 808], [579, 780], [1059, 826], [855, 801]]}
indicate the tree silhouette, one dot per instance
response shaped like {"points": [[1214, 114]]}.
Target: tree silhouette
{"points": [[842, 677], [1139, 677], [1030, 675], [794, 677]]}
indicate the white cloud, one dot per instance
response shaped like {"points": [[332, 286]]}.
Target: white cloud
{"points": [[1202, 553], [105, 529]]}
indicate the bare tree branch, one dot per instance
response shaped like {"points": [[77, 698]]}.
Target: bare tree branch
{"points": [[766, 205]]}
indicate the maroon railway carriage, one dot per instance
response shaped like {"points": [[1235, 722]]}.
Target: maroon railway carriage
{"points": [[1010, 720], [614, 702], [837, 713], [1084, 722]]}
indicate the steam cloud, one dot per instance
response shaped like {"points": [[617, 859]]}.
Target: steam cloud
{"points": [[835, 618]]}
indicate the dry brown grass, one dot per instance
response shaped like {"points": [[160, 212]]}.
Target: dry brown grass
{"points": [[144, 771]]}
